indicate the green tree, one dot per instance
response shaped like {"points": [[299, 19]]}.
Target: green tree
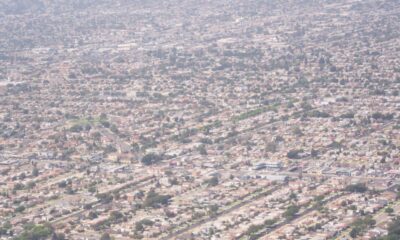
{"points": [[92, 215], [105, 236], [214, 181], [291, 212], [213, 209], [358, 188], [105, 197], [35, 172], [62, 184], [151, 158], [202, 150], [36, 232], [156, 200], [115, 216], [20, 209], [92, 189], [354, 232], [389, 210], [18, 186]]}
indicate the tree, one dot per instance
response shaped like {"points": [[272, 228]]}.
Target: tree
{"points": [[139, 226], [115, 216], [87, 206], [105, 197], [279, 139], [291, 212], [253, 229], [357, 188], [62, 184], [22, 176], [150, 159], [354, 232], [135, 147], [381, 116], [293, 196], [114, 129], [18, 186], [389, 210], [156, 200], [214, 181], [35, 172], [58, 236], [294, 154], [92, 215], [213, 209], [103, 116], [394, 228], [105, 236], [69, 190], [5, 228], [36, 232], [318, 114], [20, 209], [360, 225], [271, 147], [92, 189], [297, 132], [347, 115], [76, 128], [109, 149], [202, 150], [314, 153]]}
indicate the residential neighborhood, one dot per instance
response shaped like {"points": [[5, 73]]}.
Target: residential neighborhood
{"points": [[167, 119]]}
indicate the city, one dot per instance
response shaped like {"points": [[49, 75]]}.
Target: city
{"points": [[167, 119]]}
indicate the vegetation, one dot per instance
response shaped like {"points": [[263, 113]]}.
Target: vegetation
{"points": [[18, 186], [294, 154], [79, 128], [317, 114], [271, 147], [297, 132], [360, 225], [151, 158], [381, 116], [104, 197], [213, 209], [36, 232], [347, 115], [5, 229], [254, 229], [291, 212], [35, 172], [115, 217], [92, 215], [139, 226], [357, 188], [389, 210], [249, 114], [393, 231], [184, 135], [207, 128], [105, 236], [20, 209], [156, 200], [62, 184], [202, 150], [213, 181]]}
